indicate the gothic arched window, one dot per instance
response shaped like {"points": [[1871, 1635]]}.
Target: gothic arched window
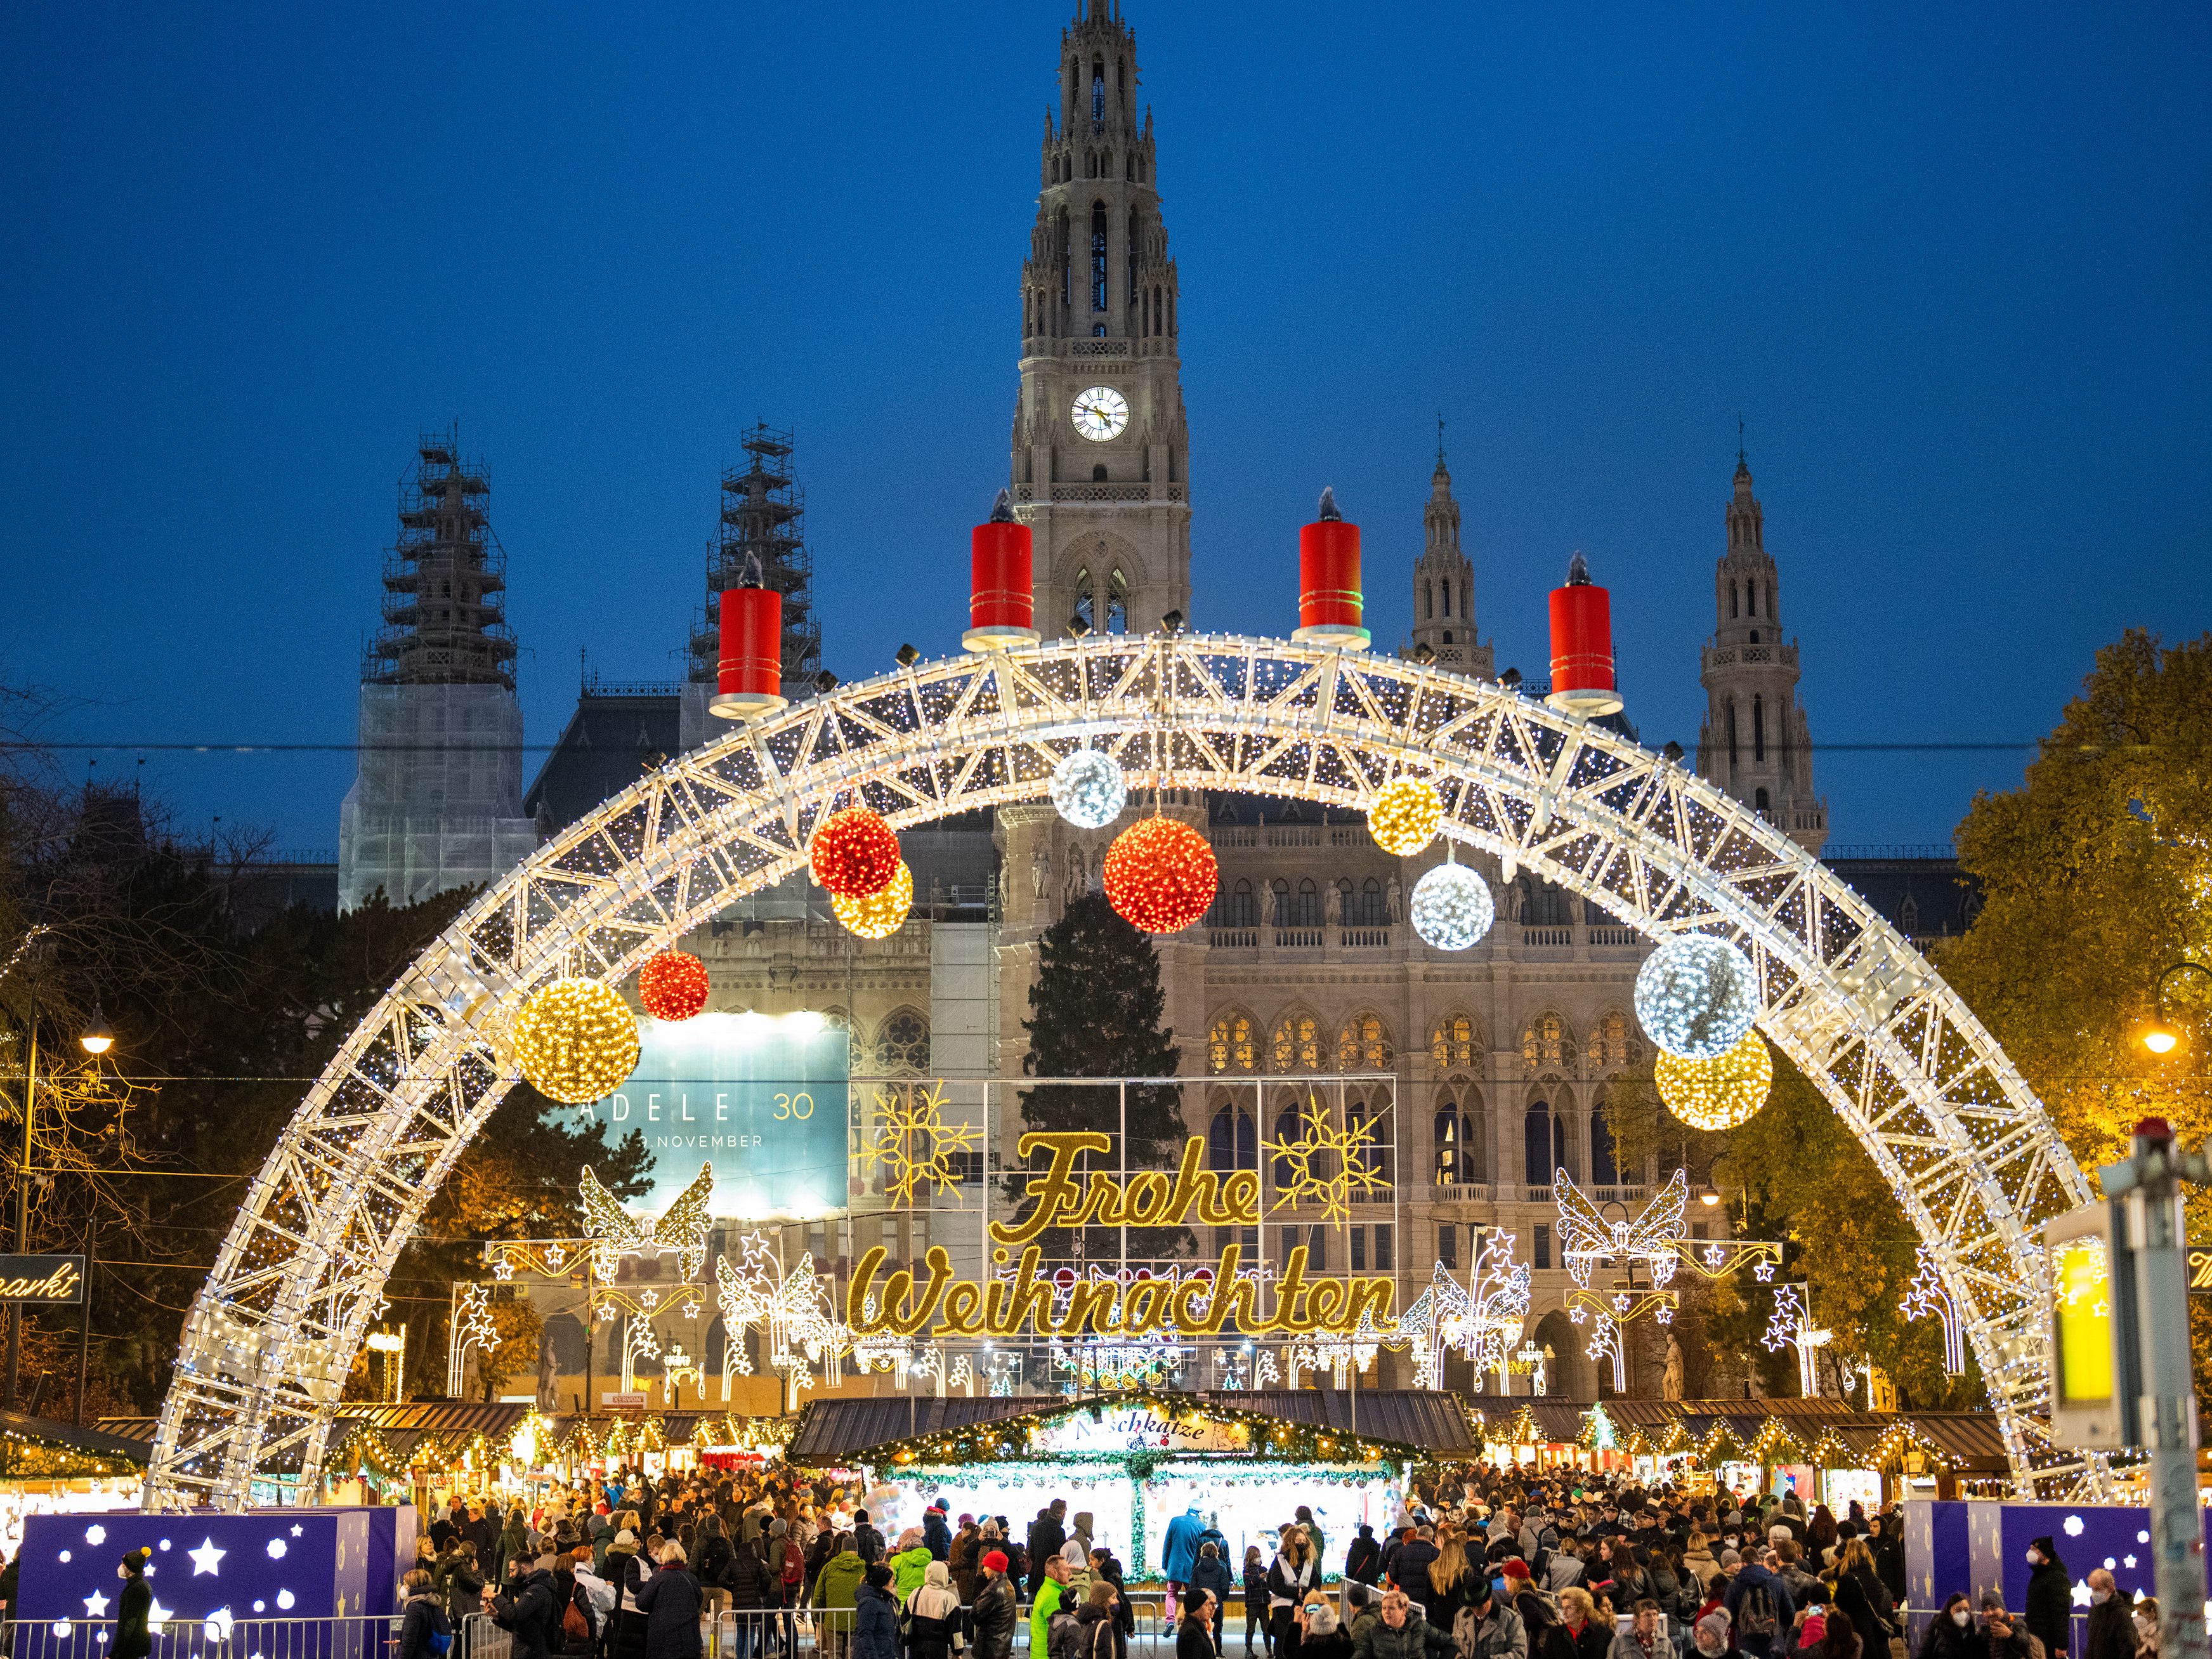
{"points": [[1098, 256], [1231, 1141], [1758, 800], [1372, 911], [1731, 729], [1374, 1153], [1131, 290], [1229, 1045], [1453, 1042], [1296, 1044], [1117, 603], [1538, 1151], [1757, 727], [1457, 1161], [1083, 607], [1547, 1042], [1098, 89], [1364, 1045], [902, 1043], [1448, 596], [1612, 1043], [1604, 1168], [1309, 914], [1735, 605]]}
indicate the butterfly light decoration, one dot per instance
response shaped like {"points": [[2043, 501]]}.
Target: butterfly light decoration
{"points": [[1588, 1235], [681, 1229]]}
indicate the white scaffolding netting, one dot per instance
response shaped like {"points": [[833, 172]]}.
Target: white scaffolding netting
{"points": [[437, 801]]}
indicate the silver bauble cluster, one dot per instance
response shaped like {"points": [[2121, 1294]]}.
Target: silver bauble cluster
{"points": [[1088, 789], [1697, 996]]}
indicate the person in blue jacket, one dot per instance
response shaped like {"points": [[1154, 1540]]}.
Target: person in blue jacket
{"points": [[1179, 1554]]}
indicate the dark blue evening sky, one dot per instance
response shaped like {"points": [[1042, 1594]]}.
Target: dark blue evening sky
{"points": [[1949, 263]]}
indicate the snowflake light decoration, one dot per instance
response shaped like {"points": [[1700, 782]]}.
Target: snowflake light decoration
{"points": [[1088, 788], [1697, 996], [1328, 1164], [681, 1229], [1451, 908], [915, 1145]]}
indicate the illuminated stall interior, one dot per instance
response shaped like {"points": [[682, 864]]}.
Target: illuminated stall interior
{"points": [[1136, 1459]]}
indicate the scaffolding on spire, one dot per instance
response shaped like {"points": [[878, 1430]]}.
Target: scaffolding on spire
{"points": [[445, 580], [762, 540]]}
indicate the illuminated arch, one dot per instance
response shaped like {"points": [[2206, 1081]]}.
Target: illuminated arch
{"points": [[1974, 1158]]}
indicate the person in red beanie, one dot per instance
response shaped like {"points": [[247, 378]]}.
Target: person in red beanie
{"points": [[995, 1610]]}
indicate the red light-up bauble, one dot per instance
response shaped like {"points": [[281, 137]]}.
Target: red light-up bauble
{"points": [[1160, 875], [855, 855], [673, 986]]}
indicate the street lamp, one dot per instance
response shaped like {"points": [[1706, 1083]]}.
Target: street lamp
{"points": [[96, 1038], [2164, 1033]]}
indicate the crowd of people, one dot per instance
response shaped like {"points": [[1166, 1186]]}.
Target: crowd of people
{"points": [[1482, 1563]]}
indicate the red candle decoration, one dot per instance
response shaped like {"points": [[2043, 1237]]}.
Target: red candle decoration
{"points": [[673, 986], [1582, 647], [749, 675], [855, 855], [1331, 609], [1160, 875], [1000, 600]]}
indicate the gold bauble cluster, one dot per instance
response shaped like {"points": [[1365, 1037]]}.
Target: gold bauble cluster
{"points": [[576, 1041], [1403, 817], [880, 914], [1720, 1093]]}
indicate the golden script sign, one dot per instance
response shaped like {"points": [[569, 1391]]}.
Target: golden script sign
{"points": [[53, 1279], [1194, 1306]]}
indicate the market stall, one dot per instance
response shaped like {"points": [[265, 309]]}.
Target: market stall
{"points": [[49, 1468], [1136, 1459]]}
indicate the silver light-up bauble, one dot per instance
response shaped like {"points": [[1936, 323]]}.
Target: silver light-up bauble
{"points": [[1697, 996], [1089, 790], [1451, 907]]}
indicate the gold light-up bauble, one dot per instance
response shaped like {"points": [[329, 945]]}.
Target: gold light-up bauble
{"points": [[1160, 875], [880, 914], [576, 1041], [1403, 817], [854, 854], [673, 986], [1716, 1094]]}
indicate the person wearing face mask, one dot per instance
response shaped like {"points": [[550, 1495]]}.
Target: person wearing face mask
{"points": [[132, 1639], [2050, 1597], [2112, 1626], [2147, 1629], [1951, 1632]]}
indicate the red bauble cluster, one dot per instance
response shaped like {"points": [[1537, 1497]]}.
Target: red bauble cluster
{"points": [[673, 986], [1160, 875], [855, 855]]}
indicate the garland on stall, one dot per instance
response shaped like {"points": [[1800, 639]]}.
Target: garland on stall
{"points": [[1902, 1438], [1775, 1445], [1720, 1440], [1008, 1440], [1676, 1441]]}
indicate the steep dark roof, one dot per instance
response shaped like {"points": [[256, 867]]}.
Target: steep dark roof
{"points": [[1920, 891], [607, 745]]}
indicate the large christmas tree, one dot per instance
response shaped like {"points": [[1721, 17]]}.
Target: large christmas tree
{"points": [[1095, 1012]]}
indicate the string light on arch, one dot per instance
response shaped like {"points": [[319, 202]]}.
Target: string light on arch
{"points": [[1404, 815], [879, 914], [673, 986], [1697, 996], [854, 854], [1451, 907], [1718, 1093], [1161, 875], [1088, 789], [576, 1041]]}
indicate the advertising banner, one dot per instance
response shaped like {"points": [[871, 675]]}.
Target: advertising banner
{"points": [[762, 1097]]}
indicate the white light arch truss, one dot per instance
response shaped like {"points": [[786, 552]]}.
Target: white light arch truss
{"points": [[1971, 1153]]}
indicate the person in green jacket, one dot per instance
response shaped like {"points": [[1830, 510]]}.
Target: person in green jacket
{"points": [[1047, 1604], [839, 1578], [908, 1566]]}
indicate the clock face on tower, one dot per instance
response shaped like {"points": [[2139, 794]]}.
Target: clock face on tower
{"points": [[1100, 413]]}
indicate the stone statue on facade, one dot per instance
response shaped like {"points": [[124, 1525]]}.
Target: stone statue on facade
{"points": [[1271, 906], [1392, 894], [1040, 873], [1670, 1385], [1075, 875], [1333, 906]]}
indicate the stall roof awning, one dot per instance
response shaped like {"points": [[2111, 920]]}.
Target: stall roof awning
{"points": [[1970, 1440], [844, 1431], [56, 1450]]}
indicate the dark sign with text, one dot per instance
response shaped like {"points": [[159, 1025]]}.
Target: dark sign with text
{"points": [[2200, 1267], [56, 1278]]}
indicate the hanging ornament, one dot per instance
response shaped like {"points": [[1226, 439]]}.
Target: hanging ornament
{"points": [[673, 986], [1716, 1094], [1451, 907], [880, 914], [576, 1041], [1697, 996], [854, 854], [1160, 875], [1403, 817], [1088, 789]]}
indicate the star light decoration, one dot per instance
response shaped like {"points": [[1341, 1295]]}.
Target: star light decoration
{"points": [[1403, 814], [1088, 788], [1161, 875], [1928, 1294], [473, 1328], [681, 1229], [1488, 1318], [1451, 907], [878, 915], [575, 1041], [1792, 1323], [915, 1145], [1718, 1093], [1605, 1343], [1697, 996], [790, 1309], [1341, 1356], [1328, 1164]]}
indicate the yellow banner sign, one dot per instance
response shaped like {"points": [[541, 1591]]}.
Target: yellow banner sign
{"points": [[1023, 1294]]}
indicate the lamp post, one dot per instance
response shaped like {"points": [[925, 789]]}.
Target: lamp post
{"points": [[2163, 1035]]}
